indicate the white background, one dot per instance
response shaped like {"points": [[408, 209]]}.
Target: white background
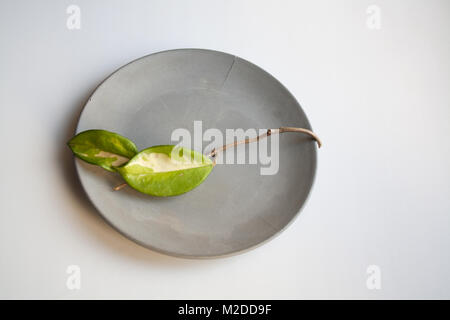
{"points": [[379, 99]]}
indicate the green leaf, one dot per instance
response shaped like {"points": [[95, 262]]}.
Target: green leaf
{"points": [[166, 170], [103, 148]]}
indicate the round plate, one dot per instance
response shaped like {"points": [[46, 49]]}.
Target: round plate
{"points": [[235, 208]]}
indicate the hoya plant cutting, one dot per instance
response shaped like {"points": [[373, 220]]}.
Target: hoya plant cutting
{"points": [[165, 170]]}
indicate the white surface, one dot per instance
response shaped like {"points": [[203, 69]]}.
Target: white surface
{"points": [[379, 99]]}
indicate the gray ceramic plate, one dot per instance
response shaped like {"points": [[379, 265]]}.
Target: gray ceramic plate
{"points": [[236, 208]]}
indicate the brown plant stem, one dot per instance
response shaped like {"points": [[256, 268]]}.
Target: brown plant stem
{"points": [[269, 132], [120, 186]]}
